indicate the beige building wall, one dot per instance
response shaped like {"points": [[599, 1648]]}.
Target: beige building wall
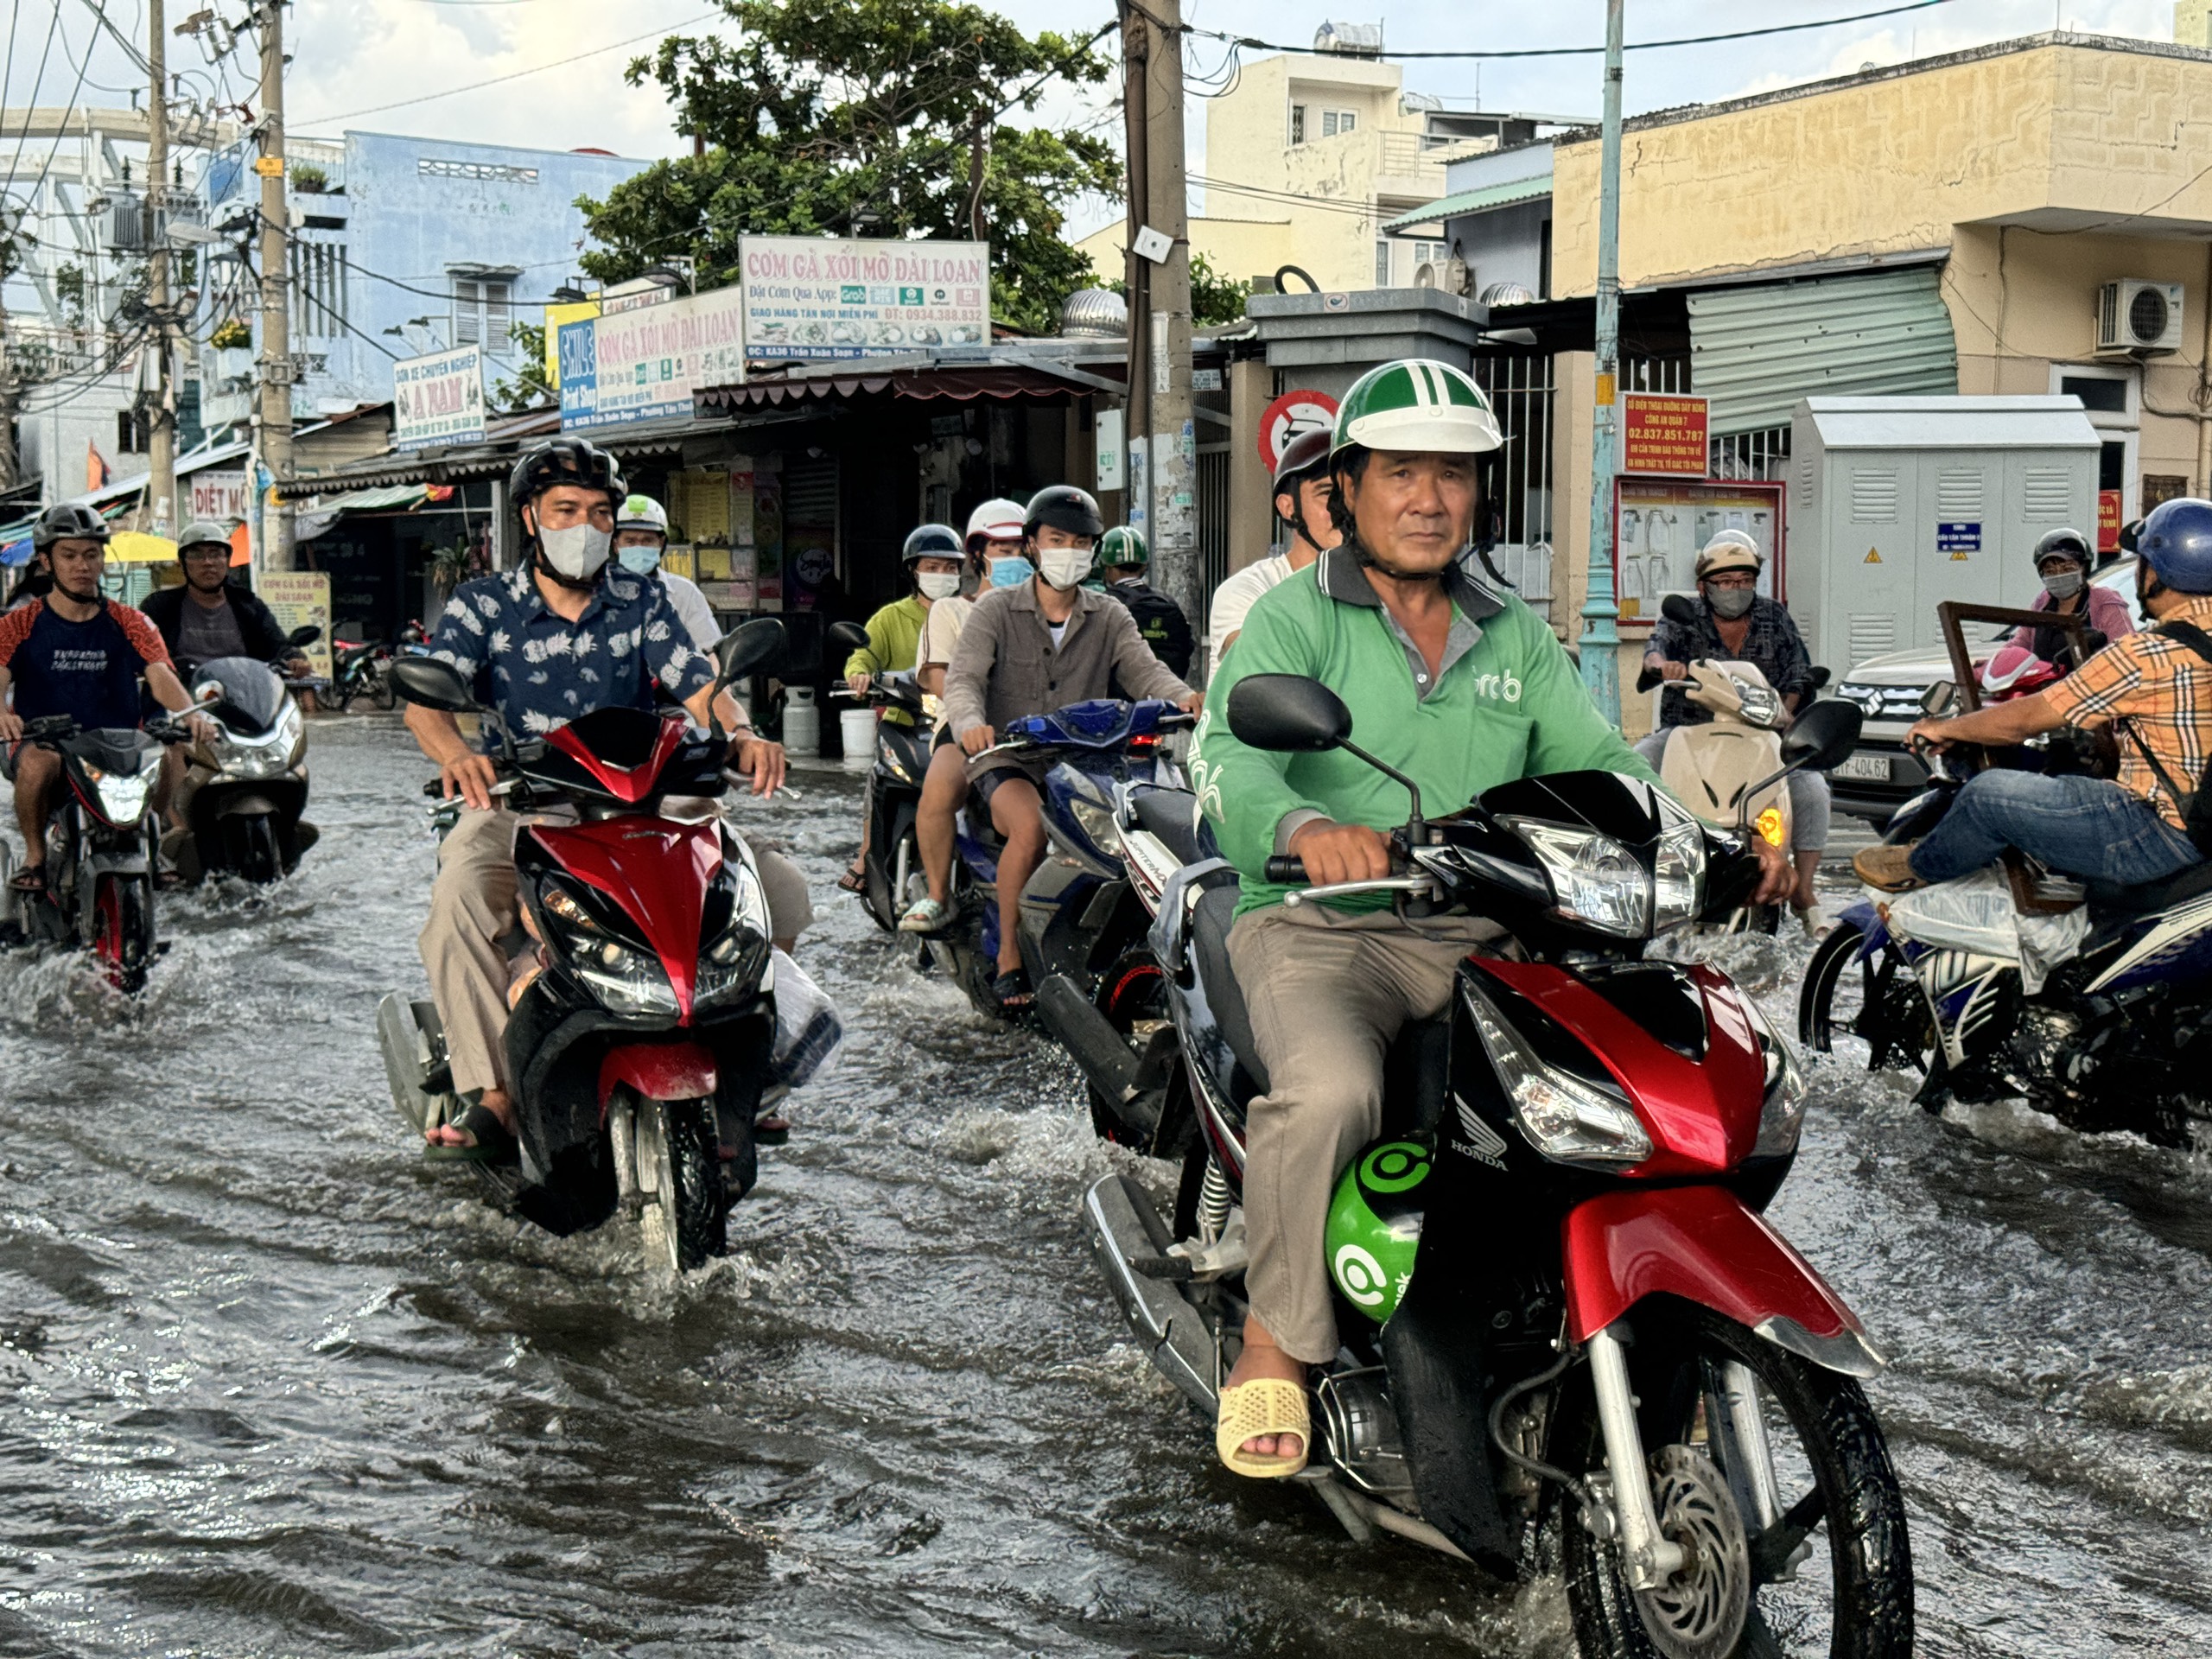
{"points": [[2193, 23]]}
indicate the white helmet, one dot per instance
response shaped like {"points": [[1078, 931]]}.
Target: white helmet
{"points": [[1731, 549], [997, 520], [642, 512]]}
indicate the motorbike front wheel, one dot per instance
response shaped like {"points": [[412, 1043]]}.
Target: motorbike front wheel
{"points": [[381, 695], [122, 937], [1876, 1001], [260, 860], [686, 1216], [1773, 1472]]}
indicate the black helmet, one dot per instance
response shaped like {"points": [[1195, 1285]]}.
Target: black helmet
{"points": [[72, 521], [1307, 455], [2065, 544], [931, 542], [566, 461], [1064, 508]]}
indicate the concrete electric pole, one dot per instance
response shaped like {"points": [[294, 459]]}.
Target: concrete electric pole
{"points": [[1600, 667], [163, 518], [273, 546], [1136, 272], [1173, 427]]}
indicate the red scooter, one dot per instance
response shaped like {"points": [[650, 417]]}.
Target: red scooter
{"points": [[1571, 1339], [644, 1012]]}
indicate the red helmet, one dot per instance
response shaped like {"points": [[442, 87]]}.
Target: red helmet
{"points": [[2016, 672]]}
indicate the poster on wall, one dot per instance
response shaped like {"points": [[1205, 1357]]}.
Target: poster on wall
{"points": [[768, 532], [644, 364], [1658, 528], [300, 599], [844, 297], [1663, 434]]}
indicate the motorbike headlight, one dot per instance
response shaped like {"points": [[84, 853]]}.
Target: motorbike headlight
{"points": [[122, 794], [1097, 823], [731, 965], [625, 980], [1678, 873], [243, 760], [1564, 1117], [1781, 1113], [1595, 880]]}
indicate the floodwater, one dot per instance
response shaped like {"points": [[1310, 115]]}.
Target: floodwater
{"points": [[269, 1386]]}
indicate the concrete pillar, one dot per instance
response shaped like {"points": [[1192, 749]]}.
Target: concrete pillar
{"points": [[1251, 388]]}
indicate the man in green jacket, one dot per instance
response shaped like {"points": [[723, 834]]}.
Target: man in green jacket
{"points": [[1461, 689]]}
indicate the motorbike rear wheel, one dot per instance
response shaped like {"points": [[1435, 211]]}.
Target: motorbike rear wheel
{"points": [[1811, 1531], [686, 1217], [381, 695], [1876, 1001]]}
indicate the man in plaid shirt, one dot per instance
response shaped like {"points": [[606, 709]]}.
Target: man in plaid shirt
{"points": [[2153, 688]]}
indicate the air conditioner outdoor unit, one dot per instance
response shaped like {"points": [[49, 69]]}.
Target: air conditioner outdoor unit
{"points": [[1453, 276], [2138, 318]]}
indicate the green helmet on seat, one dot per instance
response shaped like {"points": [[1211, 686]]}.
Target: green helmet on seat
{"points": [[1416, 406], [1123, 546], [1374, 1227]]}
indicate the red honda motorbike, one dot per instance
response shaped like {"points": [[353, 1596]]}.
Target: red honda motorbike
{"points": [[1572, 1342], [644, 1009]]}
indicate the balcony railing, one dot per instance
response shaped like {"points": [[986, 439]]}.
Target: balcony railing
{"points": [[1409, 153]]}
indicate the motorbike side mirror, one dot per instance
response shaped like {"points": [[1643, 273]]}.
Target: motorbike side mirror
{"points": [[756, 647], [850, 635], [1819, 680], [1288, 714], [1823, 736], [1679, 607], [1939, 699], [433, 684], [303, 636]]}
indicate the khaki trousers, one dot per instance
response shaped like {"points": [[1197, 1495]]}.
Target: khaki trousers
{"points": [[473, 907], [1326, 992]]}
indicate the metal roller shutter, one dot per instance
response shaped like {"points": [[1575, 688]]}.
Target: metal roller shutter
{"points": [[1755, 351]]}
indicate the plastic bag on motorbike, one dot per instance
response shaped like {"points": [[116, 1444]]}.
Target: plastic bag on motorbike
{"points": [[808, 1030], [1976, 913]]}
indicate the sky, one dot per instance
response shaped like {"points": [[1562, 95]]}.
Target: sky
{"points": [[351, 56]]}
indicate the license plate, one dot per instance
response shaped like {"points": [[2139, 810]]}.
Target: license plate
{"points": [[1873, 768]]}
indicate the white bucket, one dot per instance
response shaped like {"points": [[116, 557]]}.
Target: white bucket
{"points": [[857, 728], [802, 722]]}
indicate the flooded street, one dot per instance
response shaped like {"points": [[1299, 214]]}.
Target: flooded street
{"points": [[272, 1386]]}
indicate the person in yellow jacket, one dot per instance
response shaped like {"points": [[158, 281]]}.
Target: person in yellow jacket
{"points": [[933, 557]]}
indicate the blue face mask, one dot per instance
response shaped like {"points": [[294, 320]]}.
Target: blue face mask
{"points": [[644, 561], [1011, 571]]}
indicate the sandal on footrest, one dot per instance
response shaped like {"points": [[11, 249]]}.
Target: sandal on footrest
{"points": [[1267, 1405], [492, 1143]]}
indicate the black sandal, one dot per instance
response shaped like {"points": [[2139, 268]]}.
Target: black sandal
{"points": [[30, 879], [492, 1143], [853, 881], [1012, 991]]}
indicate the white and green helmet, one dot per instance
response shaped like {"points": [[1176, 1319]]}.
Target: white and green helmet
{"points": [[643, 512], [1416, 406]]}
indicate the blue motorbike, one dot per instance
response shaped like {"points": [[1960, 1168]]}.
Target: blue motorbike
{"points": [[1079, 916]]}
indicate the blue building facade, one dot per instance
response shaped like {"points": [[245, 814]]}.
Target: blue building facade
{"points": [[400, 246]]}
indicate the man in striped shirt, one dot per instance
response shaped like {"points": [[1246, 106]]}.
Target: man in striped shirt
{"points": [[2153, 688]]}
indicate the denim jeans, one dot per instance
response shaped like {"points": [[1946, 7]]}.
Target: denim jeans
{"points": [[2083, 826]]}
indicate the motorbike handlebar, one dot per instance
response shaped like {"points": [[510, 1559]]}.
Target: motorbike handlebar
{"points": [[1649, 677], [1283, 867]]}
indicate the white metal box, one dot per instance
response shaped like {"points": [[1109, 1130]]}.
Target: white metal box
{"points": [[1897, 504]]}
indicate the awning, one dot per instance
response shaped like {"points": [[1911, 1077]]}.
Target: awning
{"points": [[956, 382], [1508, 194], [1755, 350], [309, 522]]}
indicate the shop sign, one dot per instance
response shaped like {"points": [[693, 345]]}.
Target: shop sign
{"points": [[300, 599], [1663, 434], [438, 398], [217, 495], [2108, 511], [644, 364], [831, 296]]}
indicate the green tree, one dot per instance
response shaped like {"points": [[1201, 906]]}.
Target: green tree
{"points": [[859, 117], [1215, 299], [530, 389]]}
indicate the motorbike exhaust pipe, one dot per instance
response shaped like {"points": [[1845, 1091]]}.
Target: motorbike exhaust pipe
{"points": [[1107, 1062]]}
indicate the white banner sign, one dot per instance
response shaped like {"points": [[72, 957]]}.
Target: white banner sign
{"points": [[643, 364], [438, 399], [219, 496], [824, 296]]}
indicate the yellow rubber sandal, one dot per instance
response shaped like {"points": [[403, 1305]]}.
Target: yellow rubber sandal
{"points": [[1267, 1405]]}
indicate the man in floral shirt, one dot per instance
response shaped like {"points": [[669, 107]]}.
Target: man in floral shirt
{"points": [[566, 634]]}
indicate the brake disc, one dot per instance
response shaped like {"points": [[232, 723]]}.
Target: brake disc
{"points": [[1699, 1613]]}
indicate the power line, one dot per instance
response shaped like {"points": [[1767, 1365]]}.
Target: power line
{"points": [[1584, 51], [451, 91]]}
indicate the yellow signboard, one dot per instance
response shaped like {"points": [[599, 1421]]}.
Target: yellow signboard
{"points": [[270, 167], [300, 599]]}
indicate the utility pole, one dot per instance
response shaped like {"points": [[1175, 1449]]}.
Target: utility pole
{"points": [[1174, 468], [273, 547], [162, 518], [1136, 270], [1601, 668]]}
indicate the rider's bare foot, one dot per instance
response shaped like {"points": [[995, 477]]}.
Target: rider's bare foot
{"points": [[1262, 1359], [494, 1101]]}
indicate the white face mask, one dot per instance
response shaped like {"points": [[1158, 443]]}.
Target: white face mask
{"points": [[576, 552], [936, 585], [1064, 566]]}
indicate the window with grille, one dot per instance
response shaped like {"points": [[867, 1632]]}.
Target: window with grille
{"points": [[133, 431], [427, 169], [482, 308], [1429, 253], [319, 273], [1873, 496], [1298, 124], [1382, 265]]}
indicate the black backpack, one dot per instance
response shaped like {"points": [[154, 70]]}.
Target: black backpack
{"points": [[2195, 805]]}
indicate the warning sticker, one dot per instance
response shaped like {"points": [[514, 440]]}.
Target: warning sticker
{"points": [[1872, 558]]}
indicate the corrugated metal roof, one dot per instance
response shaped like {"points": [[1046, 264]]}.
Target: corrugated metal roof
{"points": [[1756, 351], [2041, 423], [1473, 202]]}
